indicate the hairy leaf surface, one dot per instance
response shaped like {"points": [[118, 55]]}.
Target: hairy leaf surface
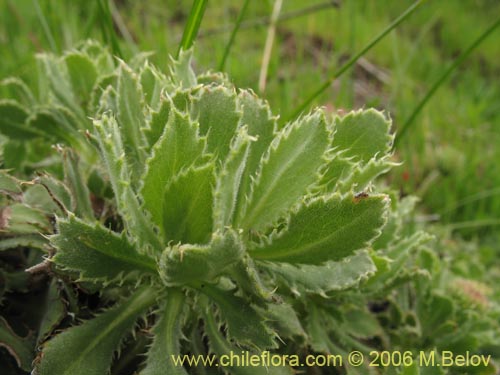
{"points": [[21, 348], [157, 124], [328, 277], [261, 125], [178, 149], [220, 346], [185, 264], [215, 109], [57, 80], [288, 169], [12, 121], [89, 347], [228, 184], [187, 206], [96, 253], [131, 119], [244, 325], [113, 155], [326, 229], [181, 72], [363, 135], [82, 74], [9, 185]]}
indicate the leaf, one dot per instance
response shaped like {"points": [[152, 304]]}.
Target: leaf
{"points": [[12, 152], [413, 369], [108, 101], [434, 313], [152, 82], [261, 125], [30, 240], [361, 176], [221, 346], [182, 99], [9, 185], [187, 206], [227, 190], [210, 77], [167, 334], [181, 72], [323, 279], [80, 195], [244, 325], [319, 332], [19, 218], [215, 110], [326, 229], [37, 197], [363, 135], [158, 123], [17, 281], [58, 192], [100, 55], [21, 348], [283, 317], [131, 118], [111, 146], [97, 253], [334, 171], [13, 121], [56, 75], [178, 148], [58, 124], [185, 264], [288, 169], [18, 90], [82, 74], [100, 86], [55, 312], [398, 253], [192, 25], [361, 323], [257, 116], [89, 347], [246, 275]]}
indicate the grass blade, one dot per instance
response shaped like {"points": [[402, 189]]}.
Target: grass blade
{"points": [[233, 34], [355, 58], [45, 26], [473, 224], [108, 30], [443, 78], [265, 21], [192, 25]]}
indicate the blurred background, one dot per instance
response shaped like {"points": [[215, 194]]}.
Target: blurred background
{"points": [[450, 152]]}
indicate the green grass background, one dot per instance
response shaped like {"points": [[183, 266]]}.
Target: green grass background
{"points": [[451, 152]]}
